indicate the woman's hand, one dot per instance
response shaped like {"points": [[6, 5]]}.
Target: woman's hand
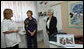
{"points": [[11, 31], [32, 33], [48, 32], [17, 31], [29, 31]]}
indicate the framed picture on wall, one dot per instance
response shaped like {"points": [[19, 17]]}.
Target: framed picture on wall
{"points": [[65, 40], [75, 14]]}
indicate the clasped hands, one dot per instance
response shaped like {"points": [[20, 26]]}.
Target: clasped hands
{"points": [[32, 33]]}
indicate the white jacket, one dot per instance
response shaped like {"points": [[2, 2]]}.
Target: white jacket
{"points": [[13, 38]]}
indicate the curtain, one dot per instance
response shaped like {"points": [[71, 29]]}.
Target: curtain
{"points": [[19, 9]]}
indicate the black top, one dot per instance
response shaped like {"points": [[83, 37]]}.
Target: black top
{"points": [[52, 26]]}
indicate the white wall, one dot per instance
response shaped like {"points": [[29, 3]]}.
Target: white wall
{"points": [[43, 7]]}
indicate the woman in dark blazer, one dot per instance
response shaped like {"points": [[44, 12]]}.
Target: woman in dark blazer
{"points": [[51, 23]]}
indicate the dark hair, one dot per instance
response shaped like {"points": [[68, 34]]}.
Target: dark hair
{"points": [[7, 13], [30, 12]]}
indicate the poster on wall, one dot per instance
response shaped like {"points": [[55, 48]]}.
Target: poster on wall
{"points": [[75, 14]]}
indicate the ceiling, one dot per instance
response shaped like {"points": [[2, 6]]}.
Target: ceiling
{"points": [[49, 3]]}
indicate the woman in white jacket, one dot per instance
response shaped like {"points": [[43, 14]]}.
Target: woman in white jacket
{"points": [[10, 30]]}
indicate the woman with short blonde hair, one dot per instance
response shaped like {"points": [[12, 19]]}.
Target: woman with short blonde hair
{"points": [[10, 30], [51, 23]]}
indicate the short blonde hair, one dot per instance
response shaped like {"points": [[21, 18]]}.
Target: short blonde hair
{"points": [[7, 13], [51, 10]]}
